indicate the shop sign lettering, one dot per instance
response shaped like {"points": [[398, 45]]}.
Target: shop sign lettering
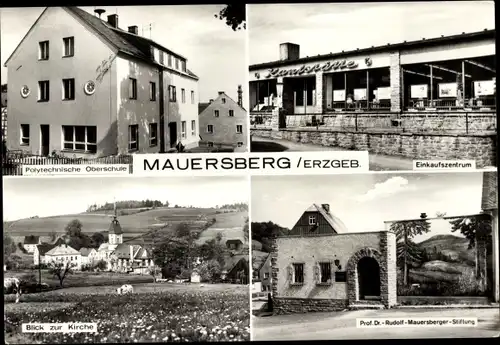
{"points": [[325, 67]]}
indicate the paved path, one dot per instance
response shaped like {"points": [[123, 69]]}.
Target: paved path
{"points": [[378, 162], [342, 325]]}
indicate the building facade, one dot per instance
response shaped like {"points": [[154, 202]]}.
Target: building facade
{"points": [[444, 85], [30, 243], [319, 266], [64, 254], [88, 256], [223, 122], [127, 94]]}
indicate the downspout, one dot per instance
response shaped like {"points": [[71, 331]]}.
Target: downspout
{"points": [[162, 113]]}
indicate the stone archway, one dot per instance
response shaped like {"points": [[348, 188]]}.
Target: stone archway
{"points": [[360, 277]]}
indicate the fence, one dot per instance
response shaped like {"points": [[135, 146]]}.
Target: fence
{"points": [[13, 161], [460, 123]]}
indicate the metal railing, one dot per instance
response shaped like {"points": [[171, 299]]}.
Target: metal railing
{"points": [[261, 119], [478, 104], [382, 105]]}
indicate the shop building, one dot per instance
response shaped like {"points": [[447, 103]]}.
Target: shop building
{"points": [[81, 86]]}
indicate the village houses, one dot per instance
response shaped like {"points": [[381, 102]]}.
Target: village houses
{"points": [[64, 254], [30, 243], [83, 86]]}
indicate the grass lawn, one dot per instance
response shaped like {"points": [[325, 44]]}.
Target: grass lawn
{"points": [[153, 313]]}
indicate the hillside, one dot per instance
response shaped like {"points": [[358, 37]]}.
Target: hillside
{"points": [[229, 225], [454, 248]]}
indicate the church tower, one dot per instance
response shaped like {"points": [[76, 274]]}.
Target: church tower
{"points": [[115, 232]]}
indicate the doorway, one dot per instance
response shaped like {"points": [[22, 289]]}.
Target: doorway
{"points": [[45, 140], [304, 91], [369, 279], [172, 127]]}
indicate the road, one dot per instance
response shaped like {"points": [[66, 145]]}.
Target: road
{"points": [[378, 162], [342, 325]]}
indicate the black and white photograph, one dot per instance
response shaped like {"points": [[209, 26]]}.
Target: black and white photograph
{"points": [[100, 84], [403, 80], [328, 251], [145, 260]]}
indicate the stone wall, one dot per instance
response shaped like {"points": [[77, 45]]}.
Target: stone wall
{"points": [[305, 305], [429, 146]]}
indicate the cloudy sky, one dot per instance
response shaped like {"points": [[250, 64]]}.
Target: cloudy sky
{"points": [[214, 51], [363, 202], [43, 197], [323, 28]]}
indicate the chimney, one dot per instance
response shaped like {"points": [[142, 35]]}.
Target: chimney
{"points": [[113, 20], [131, 253], [221, 92], [133, 29], [210, 101], [326, 207], [240, 96], [289, 51]]}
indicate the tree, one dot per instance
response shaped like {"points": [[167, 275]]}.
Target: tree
{"points": [[154, 272], [234, 15], [210, 270], [74, 228], [61, 270], [245, 229], [409, 253], [477, 230], [53, 236], [9, 246], [98, 238]]}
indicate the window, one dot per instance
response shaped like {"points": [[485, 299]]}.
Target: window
{"points": [[312, 220], [169, 60], [152, 91], [183, 129], [210, 128], [176, 63], [193, 128], [231, 113], [43, 91], [340, 277], [240, 143], [80, 138], [153, 134], [43, 50], [133, 137], [69, 46], [223, 101], [183, 66], [266, 275], [156, 55], [325, 271], [298, 273], [162, 57], [239, 129], [25, 134], [216, 113], [210, 144], [68, 89], [192, 97], [132, 88], [172, 93], [183, 95]]}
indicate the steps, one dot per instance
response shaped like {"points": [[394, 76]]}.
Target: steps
{"points": [[365, 306]]}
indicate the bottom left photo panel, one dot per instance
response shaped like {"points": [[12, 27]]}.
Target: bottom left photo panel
{"points": [[126, 259]]}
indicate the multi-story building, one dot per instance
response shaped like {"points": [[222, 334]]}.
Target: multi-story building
{"points": [[83, 86], [223, 122], [4, 110], [64, 254]]}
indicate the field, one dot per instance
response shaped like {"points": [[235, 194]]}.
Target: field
{"points": [[153, 313]]}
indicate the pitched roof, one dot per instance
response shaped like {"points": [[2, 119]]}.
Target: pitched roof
{"points": [[31, 239], [115, 227], [86, 251], [44, 248], [231, 261], [122, 251], [221, 95], [126, 42], [202, 106], [489, 199], [63, 250], [334, 222]]}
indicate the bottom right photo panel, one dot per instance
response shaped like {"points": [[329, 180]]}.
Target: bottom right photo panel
{"points": [[375, 256]]}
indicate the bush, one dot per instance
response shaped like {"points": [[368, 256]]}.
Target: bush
{"points": [[100, 265]]}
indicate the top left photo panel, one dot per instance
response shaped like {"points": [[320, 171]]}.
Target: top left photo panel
{"points": [[97, 85]]}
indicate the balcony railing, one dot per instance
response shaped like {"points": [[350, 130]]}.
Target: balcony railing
{"points": [[382, 105], [477, 104]]}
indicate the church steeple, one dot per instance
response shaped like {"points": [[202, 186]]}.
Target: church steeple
{"points": [[115, 232]]}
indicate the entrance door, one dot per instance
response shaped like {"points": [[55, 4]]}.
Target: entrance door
{"points": [[44, 139], [304, 95], [172, 126], [368, 279]]}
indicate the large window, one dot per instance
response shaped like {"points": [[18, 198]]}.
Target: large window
{"points": [[69, 46], [68, 89], [263, 95], [153, 134], [43, 91], [80, 138], [43, 50], [325, 272], [133, 137], [25, 134]]}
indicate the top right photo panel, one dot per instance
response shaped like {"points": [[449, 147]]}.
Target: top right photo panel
{"points": [[407, 82]]}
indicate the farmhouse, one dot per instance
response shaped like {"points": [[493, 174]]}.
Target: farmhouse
{"points": [[320, 266], [236, 269], [366, 98], [126, 94], [223, 122], [30, 242], [41, 249], [263, 274], [88, 256], [64, 254]]}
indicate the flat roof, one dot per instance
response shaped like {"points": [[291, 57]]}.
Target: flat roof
{"points": [[486, 33]]}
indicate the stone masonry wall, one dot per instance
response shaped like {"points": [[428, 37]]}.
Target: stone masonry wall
{"points": [[481, 148], [284, 306], [395, 81]]}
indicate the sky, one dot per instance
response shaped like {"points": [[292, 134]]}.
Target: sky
{"points": [[215, 53], [44, 197], [325, 27], [365, 201]]}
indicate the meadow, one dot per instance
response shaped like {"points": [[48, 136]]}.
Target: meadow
{"points": [[153, 313]]}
